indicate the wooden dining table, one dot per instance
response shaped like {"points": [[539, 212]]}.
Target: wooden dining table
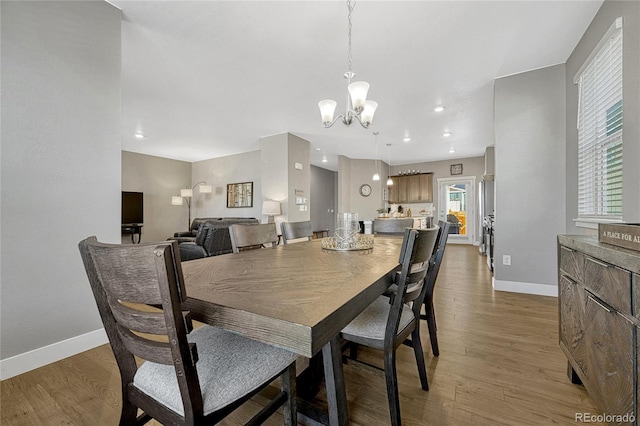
{"points": [[296, 296]]}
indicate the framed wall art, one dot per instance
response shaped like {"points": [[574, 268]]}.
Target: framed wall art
{"points": [[240, 194], [456, 169]]}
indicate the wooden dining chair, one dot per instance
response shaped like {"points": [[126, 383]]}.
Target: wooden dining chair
{"points": [[187, 376], [391, 226], [389, 321], [249, 237], [295, 230], [432, 276]]}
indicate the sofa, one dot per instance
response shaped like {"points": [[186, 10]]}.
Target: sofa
{"points": [[190, 235], [210, 238]]}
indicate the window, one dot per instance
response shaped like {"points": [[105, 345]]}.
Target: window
{"points": [[600, 129]]}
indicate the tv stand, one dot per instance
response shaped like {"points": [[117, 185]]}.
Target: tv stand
{"points": [[133, 229]]}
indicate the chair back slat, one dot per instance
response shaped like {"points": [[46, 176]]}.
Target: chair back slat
{"points": [[144, 322], [247, 237], [149, 350], [125, 275], [295, 230]]}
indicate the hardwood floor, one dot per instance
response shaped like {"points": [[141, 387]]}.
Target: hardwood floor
{"points": [[499, 364]]}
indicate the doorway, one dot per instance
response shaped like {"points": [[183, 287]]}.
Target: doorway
{"points": [[456, 205]]}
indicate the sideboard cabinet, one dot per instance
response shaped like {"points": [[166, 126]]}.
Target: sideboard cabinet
{"points": [[599, 316]]}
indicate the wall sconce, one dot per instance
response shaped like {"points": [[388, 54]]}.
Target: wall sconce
{"points": [[271, 208], [186, 194]]}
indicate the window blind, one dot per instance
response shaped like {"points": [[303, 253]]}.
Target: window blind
{"points": [[600, 117]]}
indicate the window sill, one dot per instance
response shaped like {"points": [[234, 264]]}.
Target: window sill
{"points": [[593, 223]]}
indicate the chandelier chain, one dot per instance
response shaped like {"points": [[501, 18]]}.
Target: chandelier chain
{"points": [[350, 7]]}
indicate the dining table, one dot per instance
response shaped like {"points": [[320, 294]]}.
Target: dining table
{"points": [[295, 296]]}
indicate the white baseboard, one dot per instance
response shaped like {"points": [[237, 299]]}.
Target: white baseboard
{"points": [[527, 288], [47, 354]]}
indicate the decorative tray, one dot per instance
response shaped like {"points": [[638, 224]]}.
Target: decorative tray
{"points": [[356, 242]]}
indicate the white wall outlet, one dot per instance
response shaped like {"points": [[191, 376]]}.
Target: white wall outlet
{"points": [[506, 259]]}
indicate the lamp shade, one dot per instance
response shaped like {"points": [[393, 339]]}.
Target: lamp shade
{"points": [[367, 113], [327, 109], [186, 192], [176, 200], [205, 189], [376, 176], [389, 182], [358, 91], [270, 207]]}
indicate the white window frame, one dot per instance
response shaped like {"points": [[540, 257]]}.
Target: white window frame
{"points": [[600, 140]]}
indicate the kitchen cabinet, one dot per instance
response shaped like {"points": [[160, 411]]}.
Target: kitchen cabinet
{"points": [[416, 188], [598, 321]]}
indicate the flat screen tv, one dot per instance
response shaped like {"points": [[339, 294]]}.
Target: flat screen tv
{"points": [[132, 208]]}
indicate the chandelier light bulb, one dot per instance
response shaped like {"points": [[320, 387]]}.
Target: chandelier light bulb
{"points": [[327, 109]]}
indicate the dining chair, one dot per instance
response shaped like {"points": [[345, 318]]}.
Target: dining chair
{"points": [[295, 230], [249, 237], [389, 321], [187, 376], [436, 260], [391, 226]]}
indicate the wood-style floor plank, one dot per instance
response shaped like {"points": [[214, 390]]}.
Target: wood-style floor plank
{"points": [[499, 364]]}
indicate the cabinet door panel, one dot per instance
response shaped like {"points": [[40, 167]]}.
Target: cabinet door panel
{"points": [[393, 190], [426, 188], [403, 182], [610, 351], [413, 188], [609, 282], [572, 326]]}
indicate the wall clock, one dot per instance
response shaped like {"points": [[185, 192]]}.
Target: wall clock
{"points": [[365, 190]]}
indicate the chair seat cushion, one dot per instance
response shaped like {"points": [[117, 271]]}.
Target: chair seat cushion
{"points": [[368, 328], [229, 367]]}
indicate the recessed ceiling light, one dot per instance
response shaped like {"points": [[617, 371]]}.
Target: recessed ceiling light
{"points": [[140, 135], [324, 159], [317, 149], [447, 134], [439, 108], [451, 150], [406, 139]]}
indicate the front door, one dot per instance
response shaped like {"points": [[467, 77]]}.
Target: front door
{"points": [[456, 205]]}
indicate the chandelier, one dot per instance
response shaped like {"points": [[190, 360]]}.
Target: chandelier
{"points": [[357, 104]]}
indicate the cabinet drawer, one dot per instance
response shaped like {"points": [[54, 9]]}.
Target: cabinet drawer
{"points": [[572, 263], [609, 282]]}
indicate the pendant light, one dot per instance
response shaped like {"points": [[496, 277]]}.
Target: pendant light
{"points": [[389, 180], [376, 175]]}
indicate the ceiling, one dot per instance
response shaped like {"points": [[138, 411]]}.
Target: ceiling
{"points": [[206, 79]]}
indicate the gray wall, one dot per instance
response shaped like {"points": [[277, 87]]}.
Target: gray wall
{"points": [[60, 164], [530, 172], [159, 179], [218, 172], [610, 10], [323, 198]]}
